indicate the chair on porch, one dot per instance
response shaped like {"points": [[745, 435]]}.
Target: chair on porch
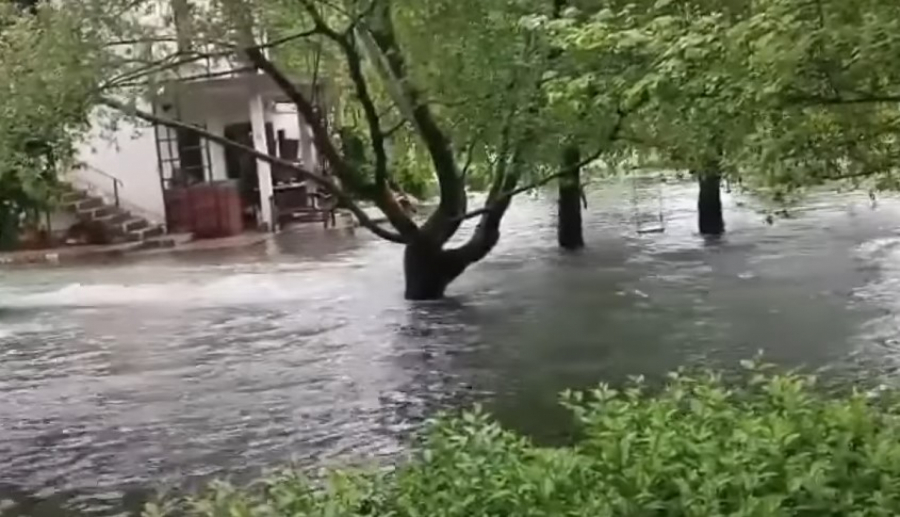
{"points": [[295, 203]]}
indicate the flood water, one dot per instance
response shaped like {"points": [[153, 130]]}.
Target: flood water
{"points": [[120, 378]]}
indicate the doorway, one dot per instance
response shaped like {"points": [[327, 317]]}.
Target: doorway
{"points": [[192, 165], [242, 167]]}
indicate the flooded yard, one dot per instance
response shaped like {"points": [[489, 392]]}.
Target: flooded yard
{"points": [[124, 377]]}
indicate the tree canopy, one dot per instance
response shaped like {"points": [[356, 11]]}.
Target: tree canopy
{"points": [[45, 90], [785, 93]]}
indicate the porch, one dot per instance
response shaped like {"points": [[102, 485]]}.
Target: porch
{"points": [[201, 179]]}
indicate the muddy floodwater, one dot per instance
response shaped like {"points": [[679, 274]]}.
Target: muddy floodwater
{"points": [[124, 377]]}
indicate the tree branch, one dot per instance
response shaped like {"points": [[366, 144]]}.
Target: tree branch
{"points": [[452, 188], [376, 136], [470, 156], [135, 41], [309, 112], [286, 39], [167, 63], [354, 67], [503, 197], [384, 197], [487, 232], [348, 175], [179, 58], [213, 75], [329, 185], [393, 129]]}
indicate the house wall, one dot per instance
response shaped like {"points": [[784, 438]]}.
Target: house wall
{"points": [[216, 115], [285, 117], [129, 154]]}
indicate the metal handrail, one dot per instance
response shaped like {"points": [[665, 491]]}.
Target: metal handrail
{"points": [[115, 181]]}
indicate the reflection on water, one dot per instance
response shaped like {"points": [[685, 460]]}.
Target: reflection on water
{"points": [[120, 378]]}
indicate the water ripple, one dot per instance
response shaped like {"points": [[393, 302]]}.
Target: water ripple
{"points": [[120, 379]]}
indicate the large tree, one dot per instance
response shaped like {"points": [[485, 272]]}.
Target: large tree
{"points": [[664, 62], [827, 75], [45, 88], [786, 93], [457, 82]]}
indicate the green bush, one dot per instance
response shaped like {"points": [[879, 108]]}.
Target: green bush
{"points": [[764, 445]]}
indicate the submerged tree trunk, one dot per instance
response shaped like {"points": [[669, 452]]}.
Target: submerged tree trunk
{"points": [[709, 204], [429, 268], [568, 230], [428, 271]]}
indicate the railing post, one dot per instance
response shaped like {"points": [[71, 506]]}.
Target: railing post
{"points": [[116, 191]]}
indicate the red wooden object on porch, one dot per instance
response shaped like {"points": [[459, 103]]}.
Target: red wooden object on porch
{"points": [[208, 210], [178, 214]]}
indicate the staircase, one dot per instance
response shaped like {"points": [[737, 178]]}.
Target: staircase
{"points": [[120, 224]]}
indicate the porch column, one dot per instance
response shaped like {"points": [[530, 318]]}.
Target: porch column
{"points": [[263, 169], [306, 157], [306, 145], [217, 170]]}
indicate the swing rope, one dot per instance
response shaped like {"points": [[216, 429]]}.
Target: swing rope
{"points": [[635, 195]]}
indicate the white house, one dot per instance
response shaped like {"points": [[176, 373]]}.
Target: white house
{"points": [[144, 166]]}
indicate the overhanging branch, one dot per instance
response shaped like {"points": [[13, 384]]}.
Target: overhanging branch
{"points": [[354, 67], [348, 175], [503, 197], [393, 129], [385, 49], [178, 59], [384, 198]]}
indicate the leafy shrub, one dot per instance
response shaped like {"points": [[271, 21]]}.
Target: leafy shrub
{"points": [[766, 445]]}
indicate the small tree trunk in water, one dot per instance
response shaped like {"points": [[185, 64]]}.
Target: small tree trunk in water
{"points": [[568, 230], [709, 204], [428, 271]]}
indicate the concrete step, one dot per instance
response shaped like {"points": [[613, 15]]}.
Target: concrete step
{"points": [[72, 197], [134, 224], [144, 234], [87, 204], [100, 213], [114, 221], [151, 232], [164, 242], [120, 224]]}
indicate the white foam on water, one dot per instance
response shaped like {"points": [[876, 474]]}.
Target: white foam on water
{"points": [[878, 249], [883, 254], [10, 330], [240, 289]]}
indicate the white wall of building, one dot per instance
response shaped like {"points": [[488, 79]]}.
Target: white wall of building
{"points": [[217, 113], [129, 154], [285, 117]]}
